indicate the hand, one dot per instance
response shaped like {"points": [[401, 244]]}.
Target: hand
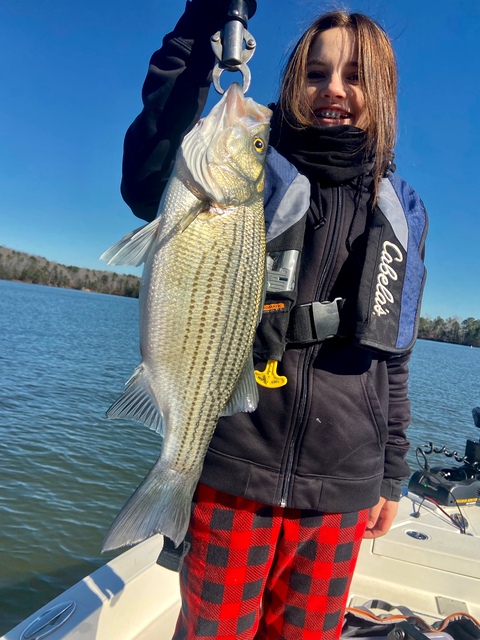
{"points": [[211, 15], [221, 7], [381, 518], [251, 7]]}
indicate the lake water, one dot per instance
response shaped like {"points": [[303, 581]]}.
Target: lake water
{"points": [[66, 470]]}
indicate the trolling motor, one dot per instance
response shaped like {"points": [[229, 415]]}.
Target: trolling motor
{"points": [[233, 45], [451, 486]]}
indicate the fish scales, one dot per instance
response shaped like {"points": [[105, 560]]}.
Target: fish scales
{"points": [[222, 288], [200, 301]]}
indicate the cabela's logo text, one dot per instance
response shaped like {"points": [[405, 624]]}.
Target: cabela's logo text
{"points": [[386, 273]]}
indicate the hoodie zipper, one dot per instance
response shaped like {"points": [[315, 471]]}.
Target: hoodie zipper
{"points": [[310, 352]]}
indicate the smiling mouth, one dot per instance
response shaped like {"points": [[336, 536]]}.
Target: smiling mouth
{"points": [[327, 114]]}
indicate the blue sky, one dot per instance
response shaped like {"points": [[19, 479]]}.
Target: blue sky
{"points": [[71, 75]]}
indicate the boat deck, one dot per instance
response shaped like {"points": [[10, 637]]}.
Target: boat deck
{"points": [[423, 563]]}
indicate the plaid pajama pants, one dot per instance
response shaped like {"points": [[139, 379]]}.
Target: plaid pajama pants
{"points": [[268, 573]]}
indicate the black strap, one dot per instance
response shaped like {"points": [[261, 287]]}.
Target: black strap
{"points": [[172, 557], [314, 321]]}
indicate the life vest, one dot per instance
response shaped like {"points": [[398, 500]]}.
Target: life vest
{"points": [[392, 280]]}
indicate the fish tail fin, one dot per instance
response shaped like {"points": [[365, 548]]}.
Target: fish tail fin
{"points": [[161, 504], [136, 403]]}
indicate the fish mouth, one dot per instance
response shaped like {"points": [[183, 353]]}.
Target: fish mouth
{"points": [[232, 107], [235, 102]]}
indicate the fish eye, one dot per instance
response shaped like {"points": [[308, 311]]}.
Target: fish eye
{"points": [[259, 145]]}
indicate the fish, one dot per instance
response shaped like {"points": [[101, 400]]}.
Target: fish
{"points": [[201, 298]]}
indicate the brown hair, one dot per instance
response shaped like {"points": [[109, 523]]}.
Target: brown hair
{"points": [[377, 79]]}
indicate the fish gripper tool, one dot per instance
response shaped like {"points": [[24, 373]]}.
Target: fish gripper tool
{"points": [[233, 45]]}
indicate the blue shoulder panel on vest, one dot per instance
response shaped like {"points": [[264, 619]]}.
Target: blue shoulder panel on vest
{"points": [[416, 218], [287, 194], [393, 210]]}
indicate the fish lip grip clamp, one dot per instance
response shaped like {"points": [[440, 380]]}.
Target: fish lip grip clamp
{"points": [[233, 45]]}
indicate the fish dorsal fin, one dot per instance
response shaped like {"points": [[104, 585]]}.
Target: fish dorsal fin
{"points": [[133, 248], [245, 394], [136, 403]]}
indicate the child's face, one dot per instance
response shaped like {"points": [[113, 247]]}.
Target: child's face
{"points": [[333, 91]]}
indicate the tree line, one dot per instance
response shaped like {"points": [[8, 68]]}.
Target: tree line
{"points": [[465, 332], [17, 265], [24, 267]]}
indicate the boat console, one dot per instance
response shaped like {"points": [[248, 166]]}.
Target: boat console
{"points": [[452, 485]]}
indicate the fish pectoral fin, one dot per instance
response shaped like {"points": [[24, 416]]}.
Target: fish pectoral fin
{"points": [[136, 403], [245, 394], [133, 248], [190, 217]]}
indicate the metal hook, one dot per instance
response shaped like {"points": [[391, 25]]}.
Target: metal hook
{"points": [[233, 56]]}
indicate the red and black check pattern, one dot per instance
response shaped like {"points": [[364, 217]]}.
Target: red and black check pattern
{"points": [[294, 566]]}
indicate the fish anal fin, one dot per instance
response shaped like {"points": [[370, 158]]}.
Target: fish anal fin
{"points": [[245, 394], [264, 295]]}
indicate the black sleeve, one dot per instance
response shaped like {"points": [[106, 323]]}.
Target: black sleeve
{"points": [[174, 95], [396, 467]]}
